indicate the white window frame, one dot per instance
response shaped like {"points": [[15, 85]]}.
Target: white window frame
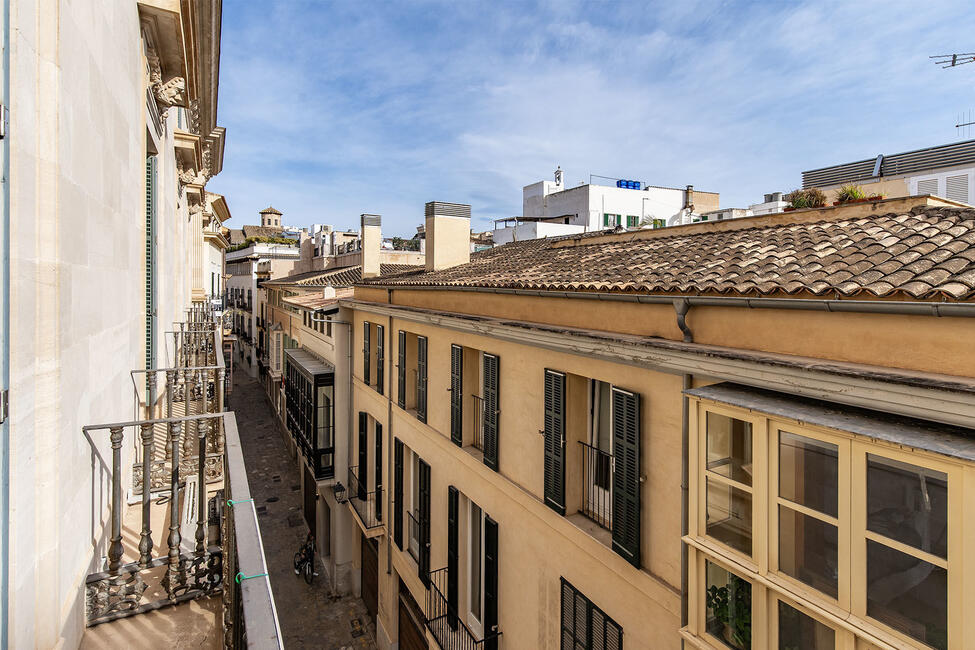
{"points": [[474, 619]]}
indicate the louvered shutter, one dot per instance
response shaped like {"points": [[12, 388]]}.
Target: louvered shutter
{"points": [[379, 472], [401, 370], [626, 475], [584, 626], [490, 583], [555, 441], [457, 395], [398, 492], [453, 546], [421, 378], [490, 427], [956, 188], [380, 358], [365, 353], [927, 186], [363, 469], [423, 566]]}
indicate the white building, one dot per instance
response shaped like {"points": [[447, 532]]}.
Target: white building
{"points": [[549, 209]]}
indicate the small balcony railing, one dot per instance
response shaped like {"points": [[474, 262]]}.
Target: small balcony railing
{"points": [[597, 485], [446, 626], [363, 501], [478, 422], [413, 541]]}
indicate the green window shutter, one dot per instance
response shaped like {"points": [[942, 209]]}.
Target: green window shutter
{"points": [[457, 395], [554, 467], [363, 469], [398, 492], [421, 378], [423, 566], [584, 626], [379, 472], [150, 298], [365, 353], [626, 475], [380, 358], [490, 428], [453, 555], [401, 370], [490, 584], [605, 220]]}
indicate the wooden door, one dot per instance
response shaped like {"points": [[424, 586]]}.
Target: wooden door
{"points": [[411, 634], [370, 575]]}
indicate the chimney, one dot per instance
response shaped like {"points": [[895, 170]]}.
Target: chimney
{"points": [[689, 197], [447, 232], [371, 241]]}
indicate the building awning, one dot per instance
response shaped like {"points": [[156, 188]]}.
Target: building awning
{"points": [[308, 364], [944, 439]]}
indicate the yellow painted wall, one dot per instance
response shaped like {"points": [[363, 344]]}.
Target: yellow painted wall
{"points": [[537, 545]]}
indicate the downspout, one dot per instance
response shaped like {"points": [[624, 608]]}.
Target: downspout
{"points": [[682, 306], [388, 378], [5, 328], [684, 516]]}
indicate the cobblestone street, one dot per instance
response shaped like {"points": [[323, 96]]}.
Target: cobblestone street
{"points": [[309, 616]]}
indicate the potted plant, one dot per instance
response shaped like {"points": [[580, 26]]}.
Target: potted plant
{"points": [[731, 606], [812, 197]]}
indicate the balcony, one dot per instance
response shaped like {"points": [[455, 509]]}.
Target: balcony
{"points": [[597, 485], [364, 503], [188, 498], [446, 626]]}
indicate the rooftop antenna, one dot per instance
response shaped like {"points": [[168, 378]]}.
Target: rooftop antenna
{"points": [[953, 60], [964, 125]]}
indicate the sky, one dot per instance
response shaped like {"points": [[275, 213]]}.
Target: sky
{"points": [[334, 109]]}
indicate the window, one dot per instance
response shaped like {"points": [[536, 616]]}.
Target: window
{"points": [[475, 565], [728, 477], [632, 221], [907, 548], [611, 220], [799, 630], [808, 511], [728, 599], [585, 626], [862, 525]]}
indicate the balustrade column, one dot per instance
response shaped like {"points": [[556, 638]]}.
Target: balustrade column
{"points": [[201, 490], [145, 541], [115, 548], [172, 377], [151, 396], [172, 573]]}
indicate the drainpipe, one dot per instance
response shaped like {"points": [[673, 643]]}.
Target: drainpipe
{"points": [[388, 377], [5, 328], [684, 443]]}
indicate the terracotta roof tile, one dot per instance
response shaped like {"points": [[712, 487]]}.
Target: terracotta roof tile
{"points": [[926, 254]]}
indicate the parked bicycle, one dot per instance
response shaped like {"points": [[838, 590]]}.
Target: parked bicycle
{"points": [[305, 560]]}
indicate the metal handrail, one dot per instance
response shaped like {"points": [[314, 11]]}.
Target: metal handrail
{"points": [[597, 485], [446, 626], [363, 501]]}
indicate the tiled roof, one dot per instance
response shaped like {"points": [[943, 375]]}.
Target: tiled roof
{"points": [[345, 276], [928, 253], [316, 300]]}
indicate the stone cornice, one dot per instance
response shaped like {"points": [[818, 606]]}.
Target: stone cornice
{"points": [[938, 398]]}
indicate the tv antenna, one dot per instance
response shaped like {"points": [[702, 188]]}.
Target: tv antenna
{"points": [[953, 60]]}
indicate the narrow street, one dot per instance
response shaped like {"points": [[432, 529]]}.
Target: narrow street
{"points": [[309, 616]]}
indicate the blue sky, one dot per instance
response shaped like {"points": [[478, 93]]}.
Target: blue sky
{"points": [[333, 109]]}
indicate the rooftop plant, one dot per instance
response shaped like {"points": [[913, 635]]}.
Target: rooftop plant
{"points": [[849, 193], [812, 197]]}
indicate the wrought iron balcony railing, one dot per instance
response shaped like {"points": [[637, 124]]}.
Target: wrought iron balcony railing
{"points": [[597, 485], [189, 473], [363, 501], [446, 626]]}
